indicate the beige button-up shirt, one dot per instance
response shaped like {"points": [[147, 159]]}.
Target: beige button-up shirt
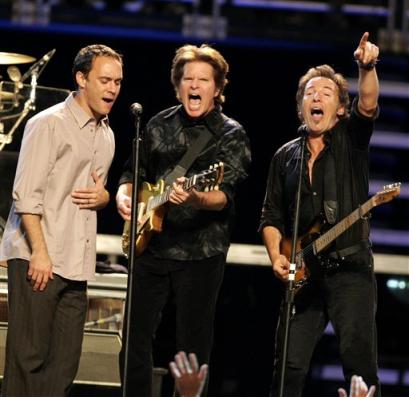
{"points": [[61, 146]]}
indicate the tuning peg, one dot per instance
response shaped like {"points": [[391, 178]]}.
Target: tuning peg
{"points": [[392, 186]]}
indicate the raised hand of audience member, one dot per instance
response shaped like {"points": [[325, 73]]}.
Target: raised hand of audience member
{"points": [[358, 388], [189, 379]]}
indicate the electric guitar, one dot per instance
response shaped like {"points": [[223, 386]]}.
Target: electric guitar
{"points": [[309, 246], [151, 208]]}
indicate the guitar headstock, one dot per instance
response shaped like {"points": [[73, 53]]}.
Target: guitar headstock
{"points": [[388, 193], [211, 178]]}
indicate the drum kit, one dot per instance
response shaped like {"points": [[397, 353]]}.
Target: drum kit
{"points": [[9, 58], [17, 98]]}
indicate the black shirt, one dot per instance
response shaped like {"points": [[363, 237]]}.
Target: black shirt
{"points": [[348, 143], [189, 233]]}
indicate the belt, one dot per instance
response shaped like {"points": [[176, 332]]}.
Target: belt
{"points": [[353, 249]]}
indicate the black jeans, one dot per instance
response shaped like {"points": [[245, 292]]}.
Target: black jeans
{"points": [[347, 298], [195, 286], [44, 337]]}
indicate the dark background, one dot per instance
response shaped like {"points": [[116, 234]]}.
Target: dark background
{"points": [[263, 81]]}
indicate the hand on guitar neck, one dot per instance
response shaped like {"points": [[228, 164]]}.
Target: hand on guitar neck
{"points": [[177, 196], [181, 196], [213, 200]]}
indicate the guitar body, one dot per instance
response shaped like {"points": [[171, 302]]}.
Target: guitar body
{"points": [[149, 221], [304, 264], [301, 272]]}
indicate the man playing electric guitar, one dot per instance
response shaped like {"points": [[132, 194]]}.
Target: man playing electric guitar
{"points": [[335, 183], [152, 200], [186, 260]]}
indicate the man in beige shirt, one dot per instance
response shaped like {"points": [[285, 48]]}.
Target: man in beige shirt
{"points": [[49, 239]]}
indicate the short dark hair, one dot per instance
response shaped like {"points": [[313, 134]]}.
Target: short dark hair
{"points": [[85, 57], [204, 53], [328, 72]]}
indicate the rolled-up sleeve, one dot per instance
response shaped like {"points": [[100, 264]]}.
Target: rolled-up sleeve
{"points": [[126, 176], [360, 127], [33, 168]]}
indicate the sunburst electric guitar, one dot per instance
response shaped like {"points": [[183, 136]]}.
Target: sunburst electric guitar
{"points": [[152, 209], [309, 246]]}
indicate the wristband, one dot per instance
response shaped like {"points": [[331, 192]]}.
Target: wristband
{"points": [[367, 66]]}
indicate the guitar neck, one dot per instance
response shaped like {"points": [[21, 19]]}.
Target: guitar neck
{"points": [[327, 238], [160, 199]]}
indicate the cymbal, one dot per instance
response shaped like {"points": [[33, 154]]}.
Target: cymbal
{"points": [[10, 58]]}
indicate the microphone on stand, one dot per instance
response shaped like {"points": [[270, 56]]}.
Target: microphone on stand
{"points": [[136, 109], [116, 318], [38, 67], [34, 72]]}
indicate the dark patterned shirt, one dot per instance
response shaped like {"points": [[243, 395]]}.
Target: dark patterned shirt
{"points": [[189, 233], [348, 143]]}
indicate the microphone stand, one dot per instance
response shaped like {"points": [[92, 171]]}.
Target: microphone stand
{"points": [[290, 290], [29, 105], [39, 66], [132, 242]]}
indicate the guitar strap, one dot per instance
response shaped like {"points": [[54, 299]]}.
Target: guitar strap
{"points": [[330, 189], [189, 156]]}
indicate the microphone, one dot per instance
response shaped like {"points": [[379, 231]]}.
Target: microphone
{"points": [[38, 67], [116, 318], [136, 109]]}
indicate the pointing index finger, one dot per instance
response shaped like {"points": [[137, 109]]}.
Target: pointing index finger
{"points": [[363, 41]]}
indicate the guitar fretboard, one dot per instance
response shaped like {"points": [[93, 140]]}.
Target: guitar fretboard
{"points": [[327, 238], [162, 198], [322, 242]]}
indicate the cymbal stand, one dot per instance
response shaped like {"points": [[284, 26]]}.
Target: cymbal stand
{"points": [[28, 106]]}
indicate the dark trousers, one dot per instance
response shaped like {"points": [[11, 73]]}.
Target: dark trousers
{"points": [[44, 337], [348, 300], [194, 285]]}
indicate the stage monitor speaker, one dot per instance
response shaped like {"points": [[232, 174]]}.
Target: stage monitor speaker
{"points": [[99, 365], [99, 358]]}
